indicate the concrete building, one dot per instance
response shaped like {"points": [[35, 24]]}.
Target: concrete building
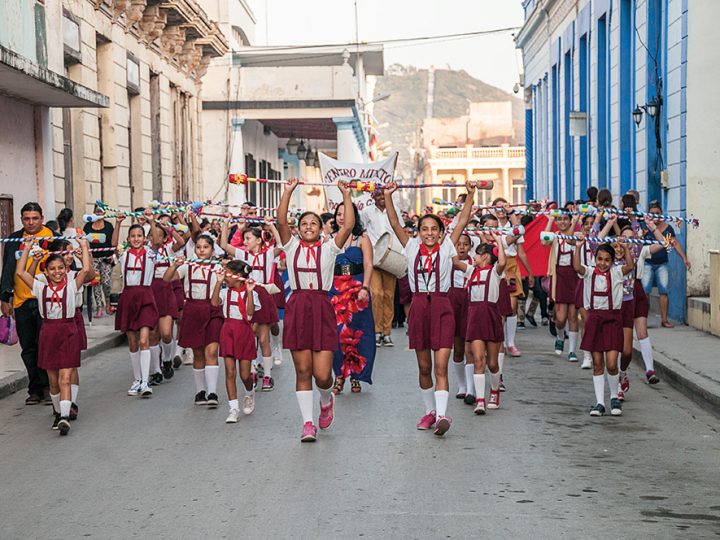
{"points": [[615, 97], [256, 100], [481, 145], [128, 74]]}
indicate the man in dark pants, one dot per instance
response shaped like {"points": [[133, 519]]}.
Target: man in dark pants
{"points": [[16, 296]]}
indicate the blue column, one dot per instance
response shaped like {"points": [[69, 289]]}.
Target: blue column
{"points": [[529, 146]]}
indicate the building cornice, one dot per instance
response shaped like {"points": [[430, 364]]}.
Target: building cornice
{"points": [[537, 17]]}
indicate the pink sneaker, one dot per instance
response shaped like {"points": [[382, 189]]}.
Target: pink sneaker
{"points": [[494, 402], [327, 413], [442, 425], [624, 383], [309, 433], [514, 351], [480, 406], [621, 395], [651, 377], [427, 421]]}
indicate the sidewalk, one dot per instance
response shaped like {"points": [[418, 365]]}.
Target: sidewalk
{"points": [[688, 360], [13, 377]]}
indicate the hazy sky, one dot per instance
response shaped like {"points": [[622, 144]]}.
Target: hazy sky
{"points": [[489, 58]]}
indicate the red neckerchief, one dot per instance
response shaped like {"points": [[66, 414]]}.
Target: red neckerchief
{"points": [[55, 291], [139, 254], [311, 251], [428, 253], [475, 278], [202, 268], [240, 301]]}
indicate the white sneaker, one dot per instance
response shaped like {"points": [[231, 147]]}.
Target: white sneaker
{"points": [[187, 357], [145, 390], [135, 388], [277, 355], [232, 417], [249, 404], [587, 361]]}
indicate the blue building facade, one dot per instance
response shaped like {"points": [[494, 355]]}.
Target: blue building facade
{"points": [[590, 67]]}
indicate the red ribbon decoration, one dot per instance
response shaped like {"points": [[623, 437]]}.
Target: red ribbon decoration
{"points": [[346, 303]]}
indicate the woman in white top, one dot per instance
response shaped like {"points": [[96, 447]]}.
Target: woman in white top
{"points": [[309, 329], [431, 325]]}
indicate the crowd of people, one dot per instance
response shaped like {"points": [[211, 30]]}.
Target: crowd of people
{"points": [[195, 290]]}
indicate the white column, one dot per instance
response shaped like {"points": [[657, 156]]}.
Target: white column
{"points": [[347, 146], [237, 193], [506, 185]]}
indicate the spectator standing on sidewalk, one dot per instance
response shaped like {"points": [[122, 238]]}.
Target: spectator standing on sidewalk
{"points": [[16, 296], [102, 262]]}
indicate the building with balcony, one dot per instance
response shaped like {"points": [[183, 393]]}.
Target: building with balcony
{"points": [[261, 103], [100, 101], [614, 95]]}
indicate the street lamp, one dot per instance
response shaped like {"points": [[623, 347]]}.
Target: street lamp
{"points": [[302, 151], [310, 159], [652, 108], [637, 115], [292, 145]]}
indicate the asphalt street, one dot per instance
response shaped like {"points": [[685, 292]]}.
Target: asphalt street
{"points": [[540, 467]]}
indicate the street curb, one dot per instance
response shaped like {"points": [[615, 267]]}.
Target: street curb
{"points": [[681, 379], [18, 381]]}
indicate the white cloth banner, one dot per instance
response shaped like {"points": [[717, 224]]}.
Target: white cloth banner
{"points": [[333, 170]]}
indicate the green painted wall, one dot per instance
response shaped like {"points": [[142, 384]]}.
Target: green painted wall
{"points": [[19, 21]]}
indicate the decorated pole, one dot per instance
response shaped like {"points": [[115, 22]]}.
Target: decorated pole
{"points": [[548, 236], [93, 238], [19, 252], [359, 185]]}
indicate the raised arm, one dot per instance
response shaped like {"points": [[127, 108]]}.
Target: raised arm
{"points": [[577, 263], [460, 265], [20, 268], [282, 212], [465, 213], [629, 260], [392, 214], [224, 244], [612, 220], [84, 272], [171, 273], [116, 231], [346, 230], [500, 265], [548, 228]]}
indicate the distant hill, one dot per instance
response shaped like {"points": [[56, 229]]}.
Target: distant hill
{"points": [[405, 109]]}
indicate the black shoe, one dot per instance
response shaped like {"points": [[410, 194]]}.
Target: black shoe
{"points": [[551, 327], [155, 379], [469, 399], [73, 411], [177, 361], [200, 398], [521, 326], [167, 370], [460, 395], [502, 385], [260, 370], [56, 421], [212, 401], [615, 407], [597, 410], [33, 399], [531, 320], [64, 425]]}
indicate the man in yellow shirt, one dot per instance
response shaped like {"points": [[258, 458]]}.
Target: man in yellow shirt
{"points": [[16, 296]]}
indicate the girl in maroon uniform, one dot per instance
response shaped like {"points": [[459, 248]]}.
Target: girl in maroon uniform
{"points": [[431, 326], [310, 328], [59, 342], [459, 301]]}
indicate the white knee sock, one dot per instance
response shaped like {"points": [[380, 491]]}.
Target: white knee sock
{"points": [[56, 402], [325, 394], [168, 350], [65, 408], [428, 397], [561, 334], [510, 330], [614, 384], [135, 363], [267, 365], [572, 341], [305, 401], [155, 359], [501, 361], [199, 375], [441, 400], [460, 373], [494, 381], [647, 354], [145, 365], [211, 377], [74, 389], [233, 404], [599, 384], [479, 385], [469, 382]]}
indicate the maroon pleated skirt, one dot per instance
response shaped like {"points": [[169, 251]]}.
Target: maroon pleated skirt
{"points": [[603, 331], [164, 297], [404, 291], [566, 280], [642, 302], [237, 340], [504, 303], [179, 291], [201, 324], [628, 313], [484, 322], [59, 344], [279, 297], [80, 322], [268, 312], [136, 309], [309, 322], [431, 323], [459, 299], [579, 294]]}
